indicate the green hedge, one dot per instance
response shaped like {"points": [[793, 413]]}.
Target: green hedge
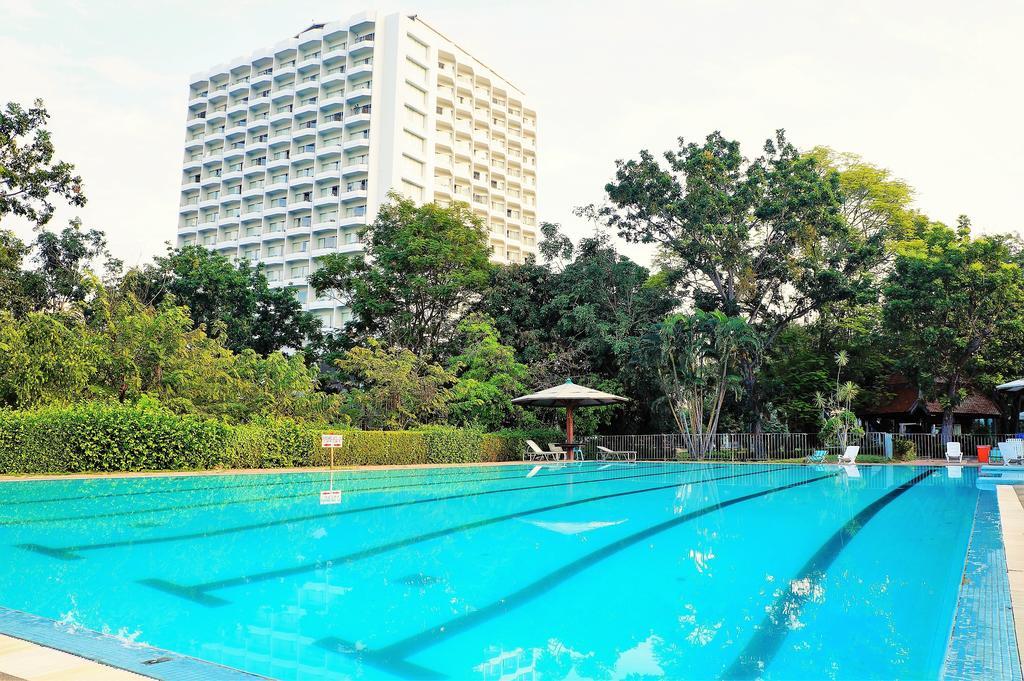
{"points": [[97, 437]]}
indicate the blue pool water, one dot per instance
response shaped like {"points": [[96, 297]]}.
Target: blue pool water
{"points": [[586, 571]]}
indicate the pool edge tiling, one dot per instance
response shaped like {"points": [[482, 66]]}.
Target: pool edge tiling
{"points": [[983, 641], [113, 652]]}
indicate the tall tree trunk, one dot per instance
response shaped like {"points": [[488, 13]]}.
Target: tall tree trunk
{"points": [[751, 398], [946, 434]]}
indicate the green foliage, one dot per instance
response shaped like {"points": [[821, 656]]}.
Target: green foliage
{"points": [[392, 388], [93, 437], [446, 444], [947, 302], [839, 424], [226, 297], [488, 378], [583, 319], [903, 449], [764, 239], [28, 173], [697, 358], [423, 268]]}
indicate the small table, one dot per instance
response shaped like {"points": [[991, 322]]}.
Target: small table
{"points": [[570, 449]]}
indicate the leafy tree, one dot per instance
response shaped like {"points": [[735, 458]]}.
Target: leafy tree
{"points": [[488, 377], [393, 388], [762, 239], [583, 320], [423, 268], [67, 266], [28, 172], [44, 359], [13, 293], [227, 298], [697, 358], [949, 299]]}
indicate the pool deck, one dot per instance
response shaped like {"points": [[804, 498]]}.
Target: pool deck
{"points": [[24, 661], [1011, 511]]}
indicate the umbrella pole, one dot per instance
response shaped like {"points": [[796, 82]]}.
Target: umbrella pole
{"points": [[568, 432]]}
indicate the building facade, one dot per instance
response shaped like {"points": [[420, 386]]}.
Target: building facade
{"points": [[290, 151]]}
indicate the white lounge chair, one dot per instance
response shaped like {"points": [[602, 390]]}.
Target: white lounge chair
{"points": [[612, 455], [953, 452], [1012, 452], [535, 453], [849, 456]]}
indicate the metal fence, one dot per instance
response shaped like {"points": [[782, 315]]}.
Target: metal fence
{"points": [[774, 446]]}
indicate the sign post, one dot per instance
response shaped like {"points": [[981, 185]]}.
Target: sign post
{"points": [[331, 442]]}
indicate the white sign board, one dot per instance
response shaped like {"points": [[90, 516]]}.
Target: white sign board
{"points": [[330, 440], [330, 496]]}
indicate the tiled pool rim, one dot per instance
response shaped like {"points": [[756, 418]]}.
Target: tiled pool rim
{"points": [[114, 652], [983, 643]]}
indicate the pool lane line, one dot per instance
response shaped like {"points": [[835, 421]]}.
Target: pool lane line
{"points": [[279, 497], [71, 552], [199, 592], [347, 474], [768, 637], [392, 657]]}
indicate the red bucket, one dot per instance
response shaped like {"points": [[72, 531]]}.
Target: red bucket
{"points": [[983, 452]]}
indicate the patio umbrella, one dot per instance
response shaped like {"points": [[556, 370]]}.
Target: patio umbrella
{"points": [[570, 396], [1012, 386]]}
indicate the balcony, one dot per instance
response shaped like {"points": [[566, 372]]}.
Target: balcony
{"points": [[306, 108], [273, 260], [282, 72], [351, 220], [308, 86], [333, 78], [331, 125], [355, 169], [261, 78], [276, 163], [359, 69], [362, 45], [249, 239], [188, 229], [303, 156], [297, 205], [358, 143], [252, 191], [299, 181], [325, 200], [352, 195]]}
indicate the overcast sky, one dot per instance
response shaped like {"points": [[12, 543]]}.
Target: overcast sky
{"points": [[930, 90]]}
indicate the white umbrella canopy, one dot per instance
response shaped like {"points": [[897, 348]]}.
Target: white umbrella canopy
{"points": [[1012, 386], [569, 394]]}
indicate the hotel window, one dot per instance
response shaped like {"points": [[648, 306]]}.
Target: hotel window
{"points": [[327, 242], [274, 251], [300, 246]]}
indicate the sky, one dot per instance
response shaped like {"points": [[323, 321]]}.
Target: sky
{"points": [[930, 90]]}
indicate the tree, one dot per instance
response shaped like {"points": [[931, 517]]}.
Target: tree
{"points": [[44, 359], [13, 293], [762, 239], [949, 299], [422, 270], [67, 266], [838, 422], [393, 388], [487, 378], [227, 298], [697, 357], [28, 173]]}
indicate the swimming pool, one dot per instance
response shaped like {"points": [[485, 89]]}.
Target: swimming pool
{"points": [[581, 571]]}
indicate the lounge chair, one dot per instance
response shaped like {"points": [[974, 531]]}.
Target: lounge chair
{"points": [[818, 456], [535, 453], [849, 456], [953, 452], [1012, 452], [610, 454]]}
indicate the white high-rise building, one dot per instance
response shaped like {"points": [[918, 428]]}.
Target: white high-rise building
{"points": [[290, 151]]}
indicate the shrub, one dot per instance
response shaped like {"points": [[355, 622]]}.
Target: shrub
{"points": [[903, 449], [447, 444]]}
